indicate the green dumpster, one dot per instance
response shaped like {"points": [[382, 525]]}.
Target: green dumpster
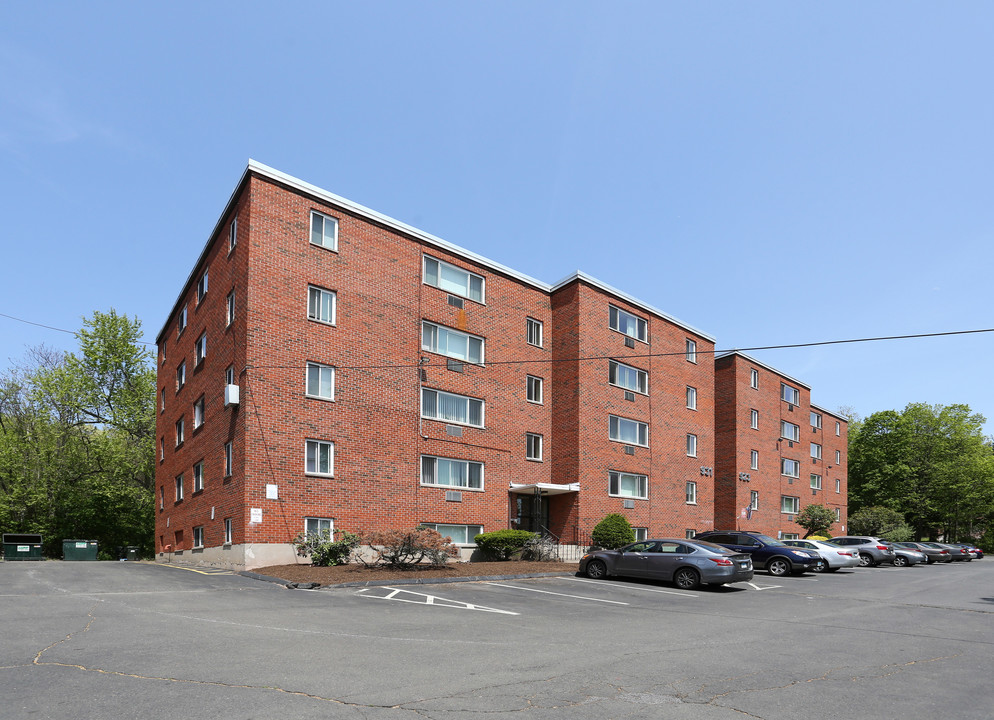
{"points": [[22, 547], [79, 549], [131, 552]]}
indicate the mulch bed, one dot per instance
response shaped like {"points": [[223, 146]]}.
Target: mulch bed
{"points": [[340, 574]]}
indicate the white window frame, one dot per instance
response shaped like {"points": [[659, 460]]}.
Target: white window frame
{"points": [[790, 468], [816, 451], [691, 397], [838, 457], [230, 309], [229, 375], [198, 412], [535, 389], [615, 435], [838, 429], [453, 397], [162, 449], [229, 459], [202, 287], [691, 445], [754, 419], [534, 332], [838, 485], [317, 525], [754, 378], [325, 374], [312, 464], [533, 447], [838, 514], [691, 492], [198, 537], [438, 332], [469, 532], [789, 536], [815, 481], [200, 349], [232, 234], [618, 373], [815, 420], [466, 291], [790, 431], [641, 533], [790, 395], [162, 401], [198, 476], [435, 461], [754, 499], [318, 300], [632, 322], [228, 534], [638, 485], [691, 350], [180, 376], [181, 321], [323, 240], [180, 432], [162, 497], [790, 504], [179, 487], [754, 459]]}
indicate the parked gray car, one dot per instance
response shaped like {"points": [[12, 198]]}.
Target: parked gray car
{"points": [[904, 556], [932, 554], [958, 553], [687, 563], [872, 550]]}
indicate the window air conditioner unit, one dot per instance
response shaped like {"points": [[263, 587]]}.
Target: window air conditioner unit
{"points": [[790, 408], [629, 396], [629, 505], [230, 395], [629, 450], [629, 342], [455, 302], [453, 495]]}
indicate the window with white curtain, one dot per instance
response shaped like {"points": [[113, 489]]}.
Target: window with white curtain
{"points": [[448, 472], [628, 431], [452, 408]]}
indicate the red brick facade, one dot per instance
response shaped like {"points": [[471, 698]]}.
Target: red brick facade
{"points": [[757, 452], [399, 320]]}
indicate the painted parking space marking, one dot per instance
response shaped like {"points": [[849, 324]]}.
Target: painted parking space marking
{"points": [[754, 586], [636, 587], [416, 598], [549, 592]]}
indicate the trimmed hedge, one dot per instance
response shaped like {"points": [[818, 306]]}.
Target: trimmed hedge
{"points": [[503, 544], [613, 532]]}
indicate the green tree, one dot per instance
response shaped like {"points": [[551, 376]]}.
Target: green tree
{"points": [[613, 532], [880, 522], [816, 519]]}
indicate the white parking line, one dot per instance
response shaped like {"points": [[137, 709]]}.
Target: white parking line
{"points": [[636, 587], [547, 592], [425, 599], [757, 587]]}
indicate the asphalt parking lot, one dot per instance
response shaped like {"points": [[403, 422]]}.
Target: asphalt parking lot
{"points": [[135, 640]]}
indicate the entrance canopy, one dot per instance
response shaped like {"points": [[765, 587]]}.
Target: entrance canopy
{"points": [[543, 488]]}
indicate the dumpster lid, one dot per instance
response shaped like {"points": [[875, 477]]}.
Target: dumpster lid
{"points": [[21, 539]]}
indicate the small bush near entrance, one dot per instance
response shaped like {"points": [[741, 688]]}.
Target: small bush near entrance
{"points": [[325, 551], [613, 532], [503, 544], [407, 549]]}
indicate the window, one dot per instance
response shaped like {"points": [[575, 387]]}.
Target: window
{"points": [[321, 305], [457, 534], [454, 280], [789, 536], [690, 534], [838, 485], [754, 499], [627, 323], [641, 533], [815, 482], [533, 332], [181, 376], [533, 389], [789, 504], [754, 419], [691, 445], [816, 420], [754, 378], [227, 531], [438, 405], [162, 497], [162, 449], [790, 468], [229, 375], [198, 412], [179, 432], [198, 476], [228, 459], [231, 309], [320, 457], [200, 349], [324, 230], [789, 394], [447, 472], [691, 492], [691, 351], [202, 288], [816, 451], [179, 488], [838, 457], [754, 460], [198, 537], [319, 526], [320, 381], [628, 431], [181, 322], [790, 431], [838, 429], [232, 239], [162, 401], [628, 377], [451, 343], [533, 446], [691, 398], [838, 515], [628, 485]]}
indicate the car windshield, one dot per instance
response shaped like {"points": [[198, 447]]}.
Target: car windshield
{"points": [[829, 544], [714, 548], [768, 540], [909, 546]]}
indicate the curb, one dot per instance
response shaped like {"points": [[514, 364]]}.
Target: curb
{"points": [[405, 581]]}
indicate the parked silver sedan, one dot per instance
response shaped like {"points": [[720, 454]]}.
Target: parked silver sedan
{"points": [[833, 557], [687, 563]]}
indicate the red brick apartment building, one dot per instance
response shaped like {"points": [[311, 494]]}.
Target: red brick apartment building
{"points": [[776, 452], [328, 367]]}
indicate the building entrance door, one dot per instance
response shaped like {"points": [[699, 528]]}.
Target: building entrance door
{"points": [[532, 512]]}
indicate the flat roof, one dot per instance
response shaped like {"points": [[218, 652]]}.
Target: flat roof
{"points": [[763, 365]]}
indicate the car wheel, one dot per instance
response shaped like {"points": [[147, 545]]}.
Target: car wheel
{"points": [[821, 566], [686, 578], [596, 569], [866, 560], [778, 567], [900, 561]]}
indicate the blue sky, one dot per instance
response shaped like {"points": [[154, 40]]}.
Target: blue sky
{"points": [[770, 173]]}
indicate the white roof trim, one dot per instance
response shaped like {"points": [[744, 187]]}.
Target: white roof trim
{"points": [[546, 488], [772, 369]]}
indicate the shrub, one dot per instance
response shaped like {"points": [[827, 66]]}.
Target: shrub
{"points": [[503, 544], [613, 531], [541, 548], [324, 550], [407, 549]]}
